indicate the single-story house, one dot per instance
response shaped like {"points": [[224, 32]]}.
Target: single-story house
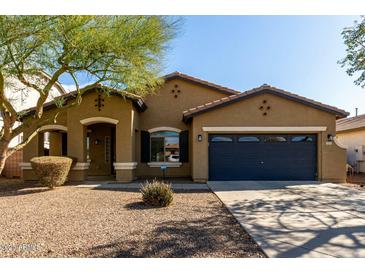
{"points": [[195, 129], [351, 133]]}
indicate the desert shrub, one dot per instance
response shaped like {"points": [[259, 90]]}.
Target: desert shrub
{"points": [[51, 171], [157, 193]]}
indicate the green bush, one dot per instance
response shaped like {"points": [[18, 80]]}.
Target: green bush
{"points": [[157, 193], [51, 171]]}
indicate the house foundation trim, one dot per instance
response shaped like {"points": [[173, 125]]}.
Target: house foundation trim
{"points": [[125, 166], [81, 166], [264, 129], [25, 166], [78, 166], [167, 164]]}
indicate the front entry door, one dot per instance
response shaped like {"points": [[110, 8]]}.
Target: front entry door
{"points": [[101, 149]]}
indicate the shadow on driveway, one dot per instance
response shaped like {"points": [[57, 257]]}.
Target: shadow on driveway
{"points": [[299, 220]]}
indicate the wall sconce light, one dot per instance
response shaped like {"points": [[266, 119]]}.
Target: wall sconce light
{"points": [[200, 138], [97, 141], [329, 137]]}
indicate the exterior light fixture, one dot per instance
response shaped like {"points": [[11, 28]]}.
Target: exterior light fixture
{"points": [[200, 138], [329, 137]]}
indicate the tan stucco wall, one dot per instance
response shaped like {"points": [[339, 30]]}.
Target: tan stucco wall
{"points": [[164, 110], [331, 158], [32, 149], [352, 139], [55, 144], [114, 107], [35, 146]]}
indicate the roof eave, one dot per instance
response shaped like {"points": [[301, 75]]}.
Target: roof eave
{"points": [[350, 129], [221, 89], [137, 102], [262, 90]]}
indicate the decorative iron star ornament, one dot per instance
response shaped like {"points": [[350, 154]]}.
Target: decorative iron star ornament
{"points": [[99, 102]]}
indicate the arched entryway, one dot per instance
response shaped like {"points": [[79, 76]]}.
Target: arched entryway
{"points": [[100, 147], [52, 140]]}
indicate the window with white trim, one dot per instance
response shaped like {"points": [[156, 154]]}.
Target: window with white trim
{"points": [[165, 146]]}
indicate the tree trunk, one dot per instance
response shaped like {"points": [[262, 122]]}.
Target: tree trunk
{"points": [[4, 147]]}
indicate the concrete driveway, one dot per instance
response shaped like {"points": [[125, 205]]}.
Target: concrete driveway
{"points": [[298, 219]]}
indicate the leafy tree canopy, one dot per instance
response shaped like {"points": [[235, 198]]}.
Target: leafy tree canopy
{"points": [[354, 61], [121, 52]]}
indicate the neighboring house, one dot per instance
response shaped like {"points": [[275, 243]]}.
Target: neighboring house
{"points": [[198, 130], [351, 132], [22, 97]]}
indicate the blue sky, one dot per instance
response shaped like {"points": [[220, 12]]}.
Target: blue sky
{"points": [[296, 53]]}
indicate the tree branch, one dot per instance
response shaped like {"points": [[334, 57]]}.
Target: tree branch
{"points": [[22, 144], [4, 102], [20, 74], [45, 92]]}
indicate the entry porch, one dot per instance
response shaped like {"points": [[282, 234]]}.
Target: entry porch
{"points": [[101, 147]]}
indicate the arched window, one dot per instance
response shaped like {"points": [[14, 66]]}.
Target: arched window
{"points": [[165, 146]]}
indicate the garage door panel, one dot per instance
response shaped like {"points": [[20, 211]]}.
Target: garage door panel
{"points": [[263, 160], [229, 161]]}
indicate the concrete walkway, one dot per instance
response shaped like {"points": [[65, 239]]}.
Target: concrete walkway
{"points": [[298, 219], [137, 186]]}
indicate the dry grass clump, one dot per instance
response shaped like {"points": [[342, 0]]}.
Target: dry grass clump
{"points": [[157, 193]]}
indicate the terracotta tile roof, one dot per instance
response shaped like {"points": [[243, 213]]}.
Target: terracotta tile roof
{"points": [[187, 114], [201, 82], [351, 123]]}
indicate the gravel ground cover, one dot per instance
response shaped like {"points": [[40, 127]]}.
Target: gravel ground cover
{"points": [[74, 222]]}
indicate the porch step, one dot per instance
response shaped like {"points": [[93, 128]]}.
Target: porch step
{"points": [[100, 178], [108, 185]]}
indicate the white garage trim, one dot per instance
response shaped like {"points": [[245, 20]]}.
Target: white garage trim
{"points": [[264, 129], [95, 120], [125, 166], [164, 129], [53, 127]]}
